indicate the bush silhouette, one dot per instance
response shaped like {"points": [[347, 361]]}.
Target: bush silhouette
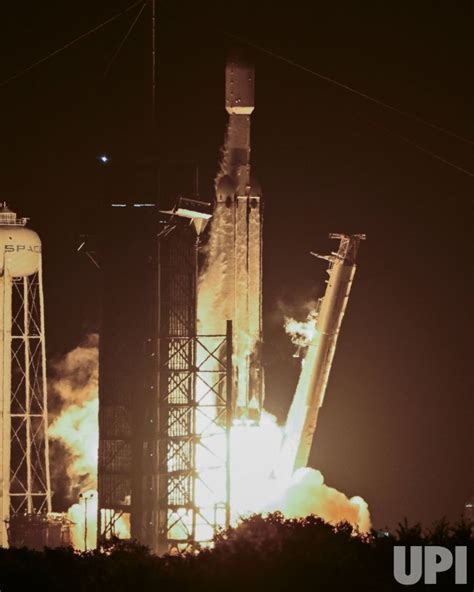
{"points": [[262, 553]]}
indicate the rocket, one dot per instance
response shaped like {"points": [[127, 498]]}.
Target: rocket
{"points": [[316, 367], [239, 218]]}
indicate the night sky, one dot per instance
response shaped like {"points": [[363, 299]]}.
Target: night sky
{"points": [[396, 426]]}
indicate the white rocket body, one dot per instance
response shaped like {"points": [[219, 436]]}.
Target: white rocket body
{"points": [[239, 215], [316, 366]]}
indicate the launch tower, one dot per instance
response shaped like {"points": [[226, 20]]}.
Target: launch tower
{"points": [[164, 409], [187, 497]]}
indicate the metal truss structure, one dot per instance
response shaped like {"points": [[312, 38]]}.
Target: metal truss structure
{"points": [[128, 330], [30, 488], [186, 464], [165, 391], [195, 411]]}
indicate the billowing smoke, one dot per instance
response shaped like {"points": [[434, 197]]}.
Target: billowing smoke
{"points": [[75, 425], [74, 436], [261, 485], [301, 332], [213, 304], [224, 160], [308, 494]]}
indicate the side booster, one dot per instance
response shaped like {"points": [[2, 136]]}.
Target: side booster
{"points": [[238, 214], [309, 395]]}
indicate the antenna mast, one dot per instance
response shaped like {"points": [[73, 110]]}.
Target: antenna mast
{"points": [[153, 62]]}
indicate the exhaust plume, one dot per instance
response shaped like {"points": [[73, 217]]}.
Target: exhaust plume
{"points": [[75, 425], [75, 428]]}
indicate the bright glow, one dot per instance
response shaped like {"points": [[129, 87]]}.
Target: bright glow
{"points": [[104, 158], [254, 487], [84, 531], [259, 483]]}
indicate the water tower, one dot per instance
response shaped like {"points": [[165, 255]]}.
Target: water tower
{"points": [[25, 489]]}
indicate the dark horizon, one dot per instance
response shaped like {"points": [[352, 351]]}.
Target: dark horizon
{"points": [[396, 424]]}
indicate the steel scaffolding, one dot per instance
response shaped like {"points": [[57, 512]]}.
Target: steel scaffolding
{"points": [[129, 278], [187, 489], [30, 489], [193, 476], [165, 391], [25, 489]]}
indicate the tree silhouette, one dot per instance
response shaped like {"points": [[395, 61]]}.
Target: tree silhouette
{"points": [[262, 553]]}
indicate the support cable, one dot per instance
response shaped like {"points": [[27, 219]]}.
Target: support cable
{"points": [[347, 87], [67, 45], [369, 98], [124, 39]]}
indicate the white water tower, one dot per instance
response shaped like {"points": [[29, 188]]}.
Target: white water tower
{"points": [[24, 464]]}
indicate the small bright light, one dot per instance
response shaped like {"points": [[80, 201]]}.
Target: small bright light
{"points": [[104, 158]]}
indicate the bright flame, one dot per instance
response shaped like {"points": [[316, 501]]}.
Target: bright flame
{"points": [[254, 487], [84, 516], [258, 484]]}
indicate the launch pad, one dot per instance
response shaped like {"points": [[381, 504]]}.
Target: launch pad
{"points": [[181, 353], [181, 380]]}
